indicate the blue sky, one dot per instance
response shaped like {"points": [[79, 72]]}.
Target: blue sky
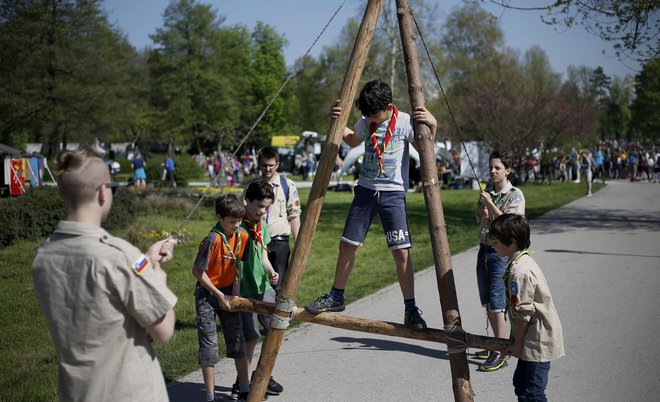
{"points": [[300, 21]]}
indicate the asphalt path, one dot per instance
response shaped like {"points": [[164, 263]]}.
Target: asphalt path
{"points": [[601, 257]]}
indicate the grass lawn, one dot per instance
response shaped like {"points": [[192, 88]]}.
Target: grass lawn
{"points": [[29, 366]]}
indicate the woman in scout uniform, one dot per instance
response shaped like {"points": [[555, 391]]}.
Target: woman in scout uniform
{"points": [[501, 197]]}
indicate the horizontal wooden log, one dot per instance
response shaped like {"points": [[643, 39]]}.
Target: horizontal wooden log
{"points": [[372, 326]]}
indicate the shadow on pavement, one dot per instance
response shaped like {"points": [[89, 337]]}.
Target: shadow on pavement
{"points": [[595, 219], [599, 253], [387, 345], [193, 391]]}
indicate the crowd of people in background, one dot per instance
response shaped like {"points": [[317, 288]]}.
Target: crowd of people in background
{"points": [[223, 166], [610, 159]]}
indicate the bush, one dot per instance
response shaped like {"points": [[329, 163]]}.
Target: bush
{"points": [[122, 213], [186, 169], [125, 166], [30, 216], [36, 213]]}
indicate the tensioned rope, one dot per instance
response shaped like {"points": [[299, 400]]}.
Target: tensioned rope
{"points": [[290, 76], [461, 342], [444, 95]]}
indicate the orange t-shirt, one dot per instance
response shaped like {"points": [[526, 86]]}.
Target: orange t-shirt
{"points": [[217, 261]]}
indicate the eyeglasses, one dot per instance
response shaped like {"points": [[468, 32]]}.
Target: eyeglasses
{"points": [[113, 186], [266, 167]]}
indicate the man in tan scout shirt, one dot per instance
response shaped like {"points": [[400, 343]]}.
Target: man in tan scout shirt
{"points": [[283, 216], [101, 296]]}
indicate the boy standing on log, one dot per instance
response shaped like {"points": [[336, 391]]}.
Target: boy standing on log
{"points": [[217, 269], [535, 326], [381, 189]]}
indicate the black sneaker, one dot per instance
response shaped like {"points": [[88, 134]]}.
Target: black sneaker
{"points": [[413, 319], [243, 396], [235, 390], [482, 354], [495, 362], [323, 304], [274, 387]]}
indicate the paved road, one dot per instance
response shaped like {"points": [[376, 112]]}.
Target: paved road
{"points": [[601, 257]]}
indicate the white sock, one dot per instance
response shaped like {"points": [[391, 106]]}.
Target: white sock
{"points": [[210, 397]]}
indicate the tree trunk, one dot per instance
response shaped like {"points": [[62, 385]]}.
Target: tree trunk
{"points": [[316, 198], [437, 228]]}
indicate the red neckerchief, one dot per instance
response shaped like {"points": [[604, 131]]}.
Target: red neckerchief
{"points": [[386, 141], [256, 232]]}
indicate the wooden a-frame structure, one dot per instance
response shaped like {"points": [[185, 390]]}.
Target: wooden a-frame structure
{"points": [[457, 340]]}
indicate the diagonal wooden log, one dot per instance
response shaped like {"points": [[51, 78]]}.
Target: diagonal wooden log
{"points": [[375, 326], [460, 371], [274, 338]]}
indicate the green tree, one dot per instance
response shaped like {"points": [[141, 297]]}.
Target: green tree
{"points": [[646, 106], [198, 74], [471, 41], [617, 117], [64, 70], [267, 73]]}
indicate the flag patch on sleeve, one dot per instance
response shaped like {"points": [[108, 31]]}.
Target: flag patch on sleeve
{"points": [[139, 265]]}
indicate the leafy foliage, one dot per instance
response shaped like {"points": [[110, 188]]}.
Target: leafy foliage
{"points": [[30, 216], [647, 103], [36, 213], [65, 72]]}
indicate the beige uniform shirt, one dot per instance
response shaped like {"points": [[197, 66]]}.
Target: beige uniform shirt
{"points": [[281, 212], [529, 299], [97, 308], [509, 200]]}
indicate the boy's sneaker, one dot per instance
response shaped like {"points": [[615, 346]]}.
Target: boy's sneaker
{"points": [[495, 362], [235, 390], [243, 396], [274, 387], [482, 354], [323, 304], [413, 319]]}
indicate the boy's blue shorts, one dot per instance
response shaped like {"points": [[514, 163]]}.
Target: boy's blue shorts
{"points": [[391, 209], [490, 270]]}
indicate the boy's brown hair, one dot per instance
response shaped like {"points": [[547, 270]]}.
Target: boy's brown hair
{"points": [[229, 206], [509, 228]]}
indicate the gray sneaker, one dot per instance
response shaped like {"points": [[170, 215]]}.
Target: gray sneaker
{"points": [[323, 304]]}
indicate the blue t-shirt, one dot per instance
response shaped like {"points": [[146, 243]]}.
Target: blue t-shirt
{"points": [[169, 165], [138, 163], [598, 157]]}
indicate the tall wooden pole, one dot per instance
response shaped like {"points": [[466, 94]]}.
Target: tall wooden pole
{"points": [[273, 340], [460, 371]]}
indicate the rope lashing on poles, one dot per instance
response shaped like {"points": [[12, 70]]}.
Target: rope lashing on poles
{"points": [[283, 305], [296, 70], [454, 334]]}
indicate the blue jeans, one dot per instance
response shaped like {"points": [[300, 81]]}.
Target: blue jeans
{"points": [[490, 270], [530, 380]]}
